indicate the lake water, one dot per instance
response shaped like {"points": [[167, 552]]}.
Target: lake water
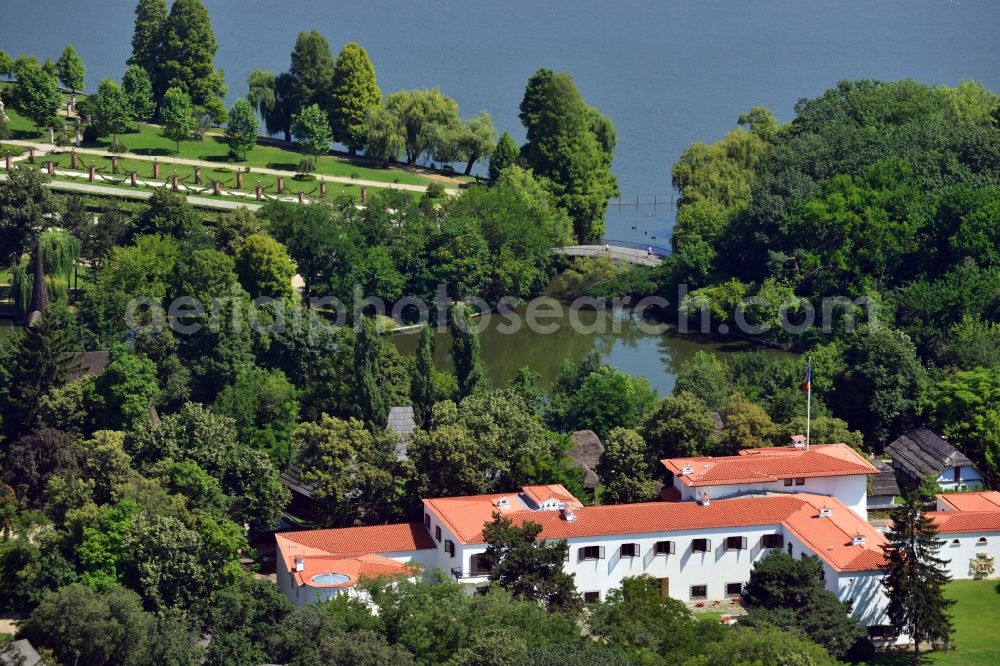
{"points": [[620, 339], [668, 72]]}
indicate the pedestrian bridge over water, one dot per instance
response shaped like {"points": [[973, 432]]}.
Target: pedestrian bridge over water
{"points": [[631, 253]]}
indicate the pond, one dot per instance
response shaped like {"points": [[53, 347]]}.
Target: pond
{"points": [[620, 338]]}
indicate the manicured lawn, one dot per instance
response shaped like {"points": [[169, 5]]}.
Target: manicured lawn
{"points": [[976, 639]]}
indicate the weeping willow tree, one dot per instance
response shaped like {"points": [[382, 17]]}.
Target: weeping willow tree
{"points": [[60, 252]]}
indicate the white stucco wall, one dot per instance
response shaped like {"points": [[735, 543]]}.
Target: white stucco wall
{"points": [[863, 590], [970, 479], [851, 490], [968, 547]]}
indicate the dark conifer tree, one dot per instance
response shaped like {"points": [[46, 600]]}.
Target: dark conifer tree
{"points": [[422, 384], [371, 396], [465, 353]]}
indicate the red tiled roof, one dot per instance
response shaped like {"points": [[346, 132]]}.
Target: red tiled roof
{"points": [[364, 539], [556, 491], [317, 562], [830, 538], [769, 465], [950, 522], [988, 500]]}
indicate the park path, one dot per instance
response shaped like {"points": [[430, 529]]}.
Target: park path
{"points": [[361, 182], [626, 254], [104, 190]]}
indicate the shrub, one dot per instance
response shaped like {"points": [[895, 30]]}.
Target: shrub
{"points": [[306, 165]]}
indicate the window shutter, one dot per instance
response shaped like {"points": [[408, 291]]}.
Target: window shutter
{"points": [[601, 556], [708, 545], [671, 548], [579, 554], [743, 543]]}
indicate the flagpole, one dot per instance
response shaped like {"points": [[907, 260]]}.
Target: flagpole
{"points": [[809, 395]]}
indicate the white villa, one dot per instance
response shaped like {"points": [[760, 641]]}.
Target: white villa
{"points": [[701, 547]]}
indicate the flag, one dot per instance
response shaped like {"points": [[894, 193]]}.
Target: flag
{"points": [[807, 384]]}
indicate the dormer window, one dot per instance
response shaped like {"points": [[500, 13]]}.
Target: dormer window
{"points": [[826, 512], [858, 540], [503, 503]]}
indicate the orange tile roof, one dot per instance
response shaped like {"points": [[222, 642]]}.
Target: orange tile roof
{"points": [[364, 539], [988, 500], [830, 538], [317, 562], [769, 465], [556, 491], [950, 522]]}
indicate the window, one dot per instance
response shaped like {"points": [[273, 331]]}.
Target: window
{"points": [[788, 482], [772, 541], [800, 482], [437, 533], [591, 597], [699, 592], [449, 547], [981, 542], [478, 566], [427, 521], [629, 550], [955, 542], [701, 546], [734, 589], [664, 548], [590, 553], [736, 543]]}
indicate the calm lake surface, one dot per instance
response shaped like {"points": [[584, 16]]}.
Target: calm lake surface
{"points": [[668, 72], [618, 337]]}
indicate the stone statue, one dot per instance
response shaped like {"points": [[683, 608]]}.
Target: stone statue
{"points": [[3, 116]]}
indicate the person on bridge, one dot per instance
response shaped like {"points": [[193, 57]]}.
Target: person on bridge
{"points": [[607, 248], [649, 251]]}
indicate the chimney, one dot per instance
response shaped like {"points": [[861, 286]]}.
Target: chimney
{"points": [[300, 563], [687, 469], [705, 497], [799, 441], [568, 514], [503, 503]]}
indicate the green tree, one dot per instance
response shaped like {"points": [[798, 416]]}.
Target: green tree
{"points": [[571, 145], [128, 387], [422, 382], [147, 43], [448, 459], [350, 468], [598, 397], [311, 71], [36, 458], [265, 407], [6, 65], [423, 114], [264, 267], [178, 116], [528, 568], [680, 426], [474, 140], [70, 69], [385, 136], [36, 94], [625, 469], [917, 575], [25, 203], [261, 95], [372, 397], [706, 377], [504, 155], [747, 425], [352, 96], [139, 89], [233, 228], [169, 214], [465, 354], [789, 593], [188, 58], [768, 645], [112, 108], [242, 128], [312, 130], [880, 385]]}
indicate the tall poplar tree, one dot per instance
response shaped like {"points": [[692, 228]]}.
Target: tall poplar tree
{"points": [[917, 576], [504, 155], [422, 383], [571, 145], [312, 70], [71, 69], [188, 57], [465, 353], [353, 95], [371, 395], [147, 42]]}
